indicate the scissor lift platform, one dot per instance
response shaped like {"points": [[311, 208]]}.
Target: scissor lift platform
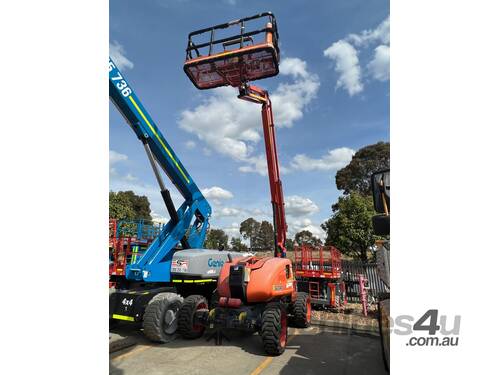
{"points": [[236, 59], [319, 272]]}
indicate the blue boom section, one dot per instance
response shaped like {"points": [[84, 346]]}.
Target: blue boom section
{"points": [[191, 222]]}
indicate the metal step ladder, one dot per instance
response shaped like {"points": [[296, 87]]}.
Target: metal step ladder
{"points": [[314, 291]]}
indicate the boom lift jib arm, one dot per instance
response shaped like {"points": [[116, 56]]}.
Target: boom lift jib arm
{"points": [[249, 54], [189, 223], [257, 95]]}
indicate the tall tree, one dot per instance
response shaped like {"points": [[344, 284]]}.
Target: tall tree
{"points": [[128, 205], [305, 237], [216, 239], [367, 160], [350, 227], [249, 229], [120, 206], [238, 245], [265, 238]]}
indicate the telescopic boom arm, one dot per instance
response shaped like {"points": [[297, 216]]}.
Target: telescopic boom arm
{"points": [[189, 223], [257, 95]]}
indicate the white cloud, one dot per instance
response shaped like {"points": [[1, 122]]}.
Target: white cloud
{"points": [[344, 53], [381, 34], [232, 127], [119, 181], [295, 67], [130, 177], [221, 210], [117, 53], [379, 65], [256, 164], [232, 230], [227, 212], [115, 157], [299, 206], [347, 65], [156, 218], [298, 225], [217, 193], [190, 145], [334, 160]]}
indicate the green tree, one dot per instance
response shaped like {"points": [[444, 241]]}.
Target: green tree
{"points": [[128, 205], [238, 245], [305, 237], [120, 206], [216, 239], [249, 229], [289, 244], [367, 160], [265, 237], [350, 227]]}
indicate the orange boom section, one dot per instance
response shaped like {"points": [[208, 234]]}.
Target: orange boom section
{"points": [[234, 60], [265, 278]]}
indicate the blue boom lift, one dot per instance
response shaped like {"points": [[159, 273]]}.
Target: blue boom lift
{"points": [[174, 265]]}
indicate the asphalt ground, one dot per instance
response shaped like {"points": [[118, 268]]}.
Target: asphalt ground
{"points": [[310, 351]]}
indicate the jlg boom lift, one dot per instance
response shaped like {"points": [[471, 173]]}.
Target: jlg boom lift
{"points": [[157, 279], [249, 61], [255, 294]]}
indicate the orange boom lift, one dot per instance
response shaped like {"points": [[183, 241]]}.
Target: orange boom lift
{"points": [[254, 294]]}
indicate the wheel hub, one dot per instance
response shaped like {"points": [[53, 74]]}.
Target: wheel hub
{"points": [[170, 322]]}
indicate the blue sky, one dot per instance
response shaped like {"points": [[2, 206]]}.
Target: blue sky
{"points": [[330, 98]]}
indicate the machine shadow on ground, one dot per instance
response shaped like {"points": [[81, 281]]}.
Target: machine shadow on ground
{"points": [[318, 350], [334, 353]]}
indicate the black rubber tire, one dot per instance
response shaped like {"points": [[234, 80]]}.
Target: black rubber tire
{"points": [[113, 323], [299, 310], [272, 329], [154, 315], [186, 314]]}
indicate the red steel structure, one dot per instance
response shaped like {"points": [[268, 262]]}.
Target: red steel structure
{"points": [[257, 95], [317, 262], [126, 249], [319, 273]]}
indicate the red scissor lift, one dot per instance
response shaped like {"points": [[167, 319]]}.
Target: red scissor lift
{"points": [[319, 272], [126, 248]]}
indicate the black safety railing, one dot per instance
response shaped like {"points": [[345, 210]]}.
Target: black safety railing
{"points": [[240, 38]]}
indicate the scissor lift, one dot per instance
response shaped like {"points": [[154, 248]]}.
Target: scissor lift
{"points": [[319, 273], [128, 241]]}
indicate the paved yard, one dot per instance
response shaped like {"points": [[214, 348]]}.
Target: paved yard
{"points": [[316, 350]]}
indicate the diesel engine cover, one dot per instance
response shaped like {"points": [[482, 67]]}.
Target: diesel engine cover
{"points": [[203, 263]]}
